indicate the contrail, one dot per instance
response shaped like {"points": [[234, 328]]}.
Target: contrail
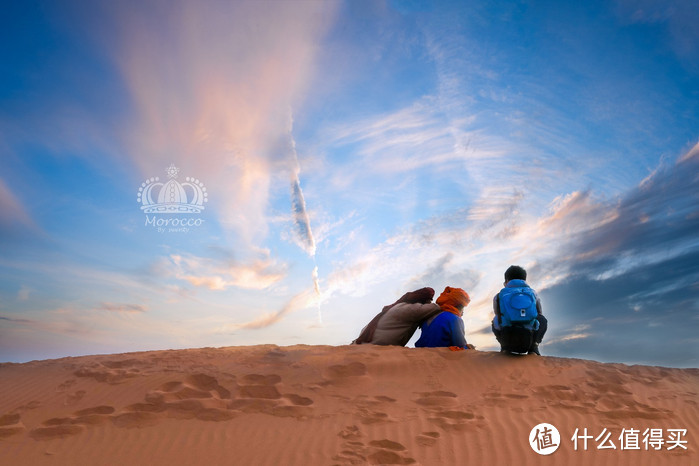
{"points": [[303, 222]]}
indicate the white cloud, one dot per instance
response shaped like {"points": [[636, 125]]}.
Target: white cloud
{"points": [[220, 274]]}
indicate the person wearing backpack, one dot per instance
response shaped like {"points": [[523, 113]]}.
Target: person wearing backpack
{"points": [[397, 322], [519, 324]]}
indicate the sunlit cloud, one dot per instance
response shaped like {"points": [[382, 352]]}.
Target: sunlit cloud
{"points": [[213, 98], [302, 300], [220, 274]]}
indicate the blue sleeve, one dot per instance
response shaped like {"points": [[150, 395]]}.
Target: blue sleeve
{"points": [[457, 332]]}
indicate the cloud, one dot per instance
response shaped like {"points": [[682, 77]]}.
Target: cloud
{"points": [[644, 315], [572, 213], [298, 201], [224, 272], [301, 219], [661, 215], [23, 293], [302, 300], [123, 308], [16, 320], [623, 266], [443, 270], [412, 139], [13, 215], [679, 17], [211, 87], [457, 248], [68, 323], [631, 276]]}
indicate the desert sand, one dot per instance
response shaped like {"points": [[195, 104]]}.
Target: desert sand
{"points": [[322, 405]]}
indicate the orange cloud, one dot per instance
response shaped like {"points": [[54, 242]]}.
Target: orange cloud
{"points": [[211, 89]]}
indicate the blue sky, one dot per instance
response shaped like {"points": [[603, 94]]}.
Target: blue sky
{"points": [[350, 151]]}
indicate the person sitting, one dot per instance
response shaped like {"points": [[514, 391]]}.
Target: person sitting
{"points": [[446, 329], [519, 324], [397, 322]]}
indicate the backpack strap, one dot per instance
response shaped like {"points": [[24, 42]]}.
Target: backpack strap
{"points": [[497, 309]]}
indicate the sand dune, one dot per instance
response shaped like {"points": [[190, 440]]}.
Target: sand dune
{"points": [[321, 405]]}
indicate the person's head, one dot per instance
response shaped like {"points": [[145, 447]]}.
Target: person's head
{"points": [[453, 299], [515, 272], [422, 296]]}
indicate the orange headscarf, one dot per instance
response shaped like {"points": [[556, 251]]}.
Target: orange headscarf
{"points": [[453, 300]]}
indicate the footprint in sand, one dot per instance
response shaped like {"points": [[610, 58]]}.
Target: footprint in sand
{"points": [[427, 439], [74, 398], [456, 421], [104, 374], [260, 386], [388, 452], [59, 427], [66, 385], [341, 371], [440, 406], [496, 398], [368, 416], [369, 408], [384, 451], [29, 406], [10, 424], [350, 432], [259, 393], [199, 396], [437, 398]]}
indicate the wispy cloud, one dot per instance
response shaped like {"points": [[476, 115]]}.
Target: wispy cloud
{"points": [[123, 308], [23, 293], [16, 320], [302, 300], [13, 214], [211, 99], [678, 16], [298, 201], [67, 324], [414, 137], [224, 272]]}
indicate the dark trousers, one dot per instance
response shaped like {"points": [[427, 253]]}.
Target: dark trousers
{"points": [[537, 337]]}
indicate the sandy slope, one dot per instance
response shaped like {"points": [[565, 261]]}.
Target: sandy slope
{"points": [[321, 405]]}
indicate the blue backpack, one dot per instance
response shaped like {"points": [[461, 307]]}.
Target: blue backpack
{"points": [[518, 306]]}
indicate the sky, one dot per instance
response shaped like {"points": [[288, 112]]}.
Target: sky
{"points": [[344, 153]]}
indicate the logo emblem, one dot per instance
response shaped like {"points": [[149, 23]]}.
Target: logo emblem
{"points": [[172, 197], [544, 439]]}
